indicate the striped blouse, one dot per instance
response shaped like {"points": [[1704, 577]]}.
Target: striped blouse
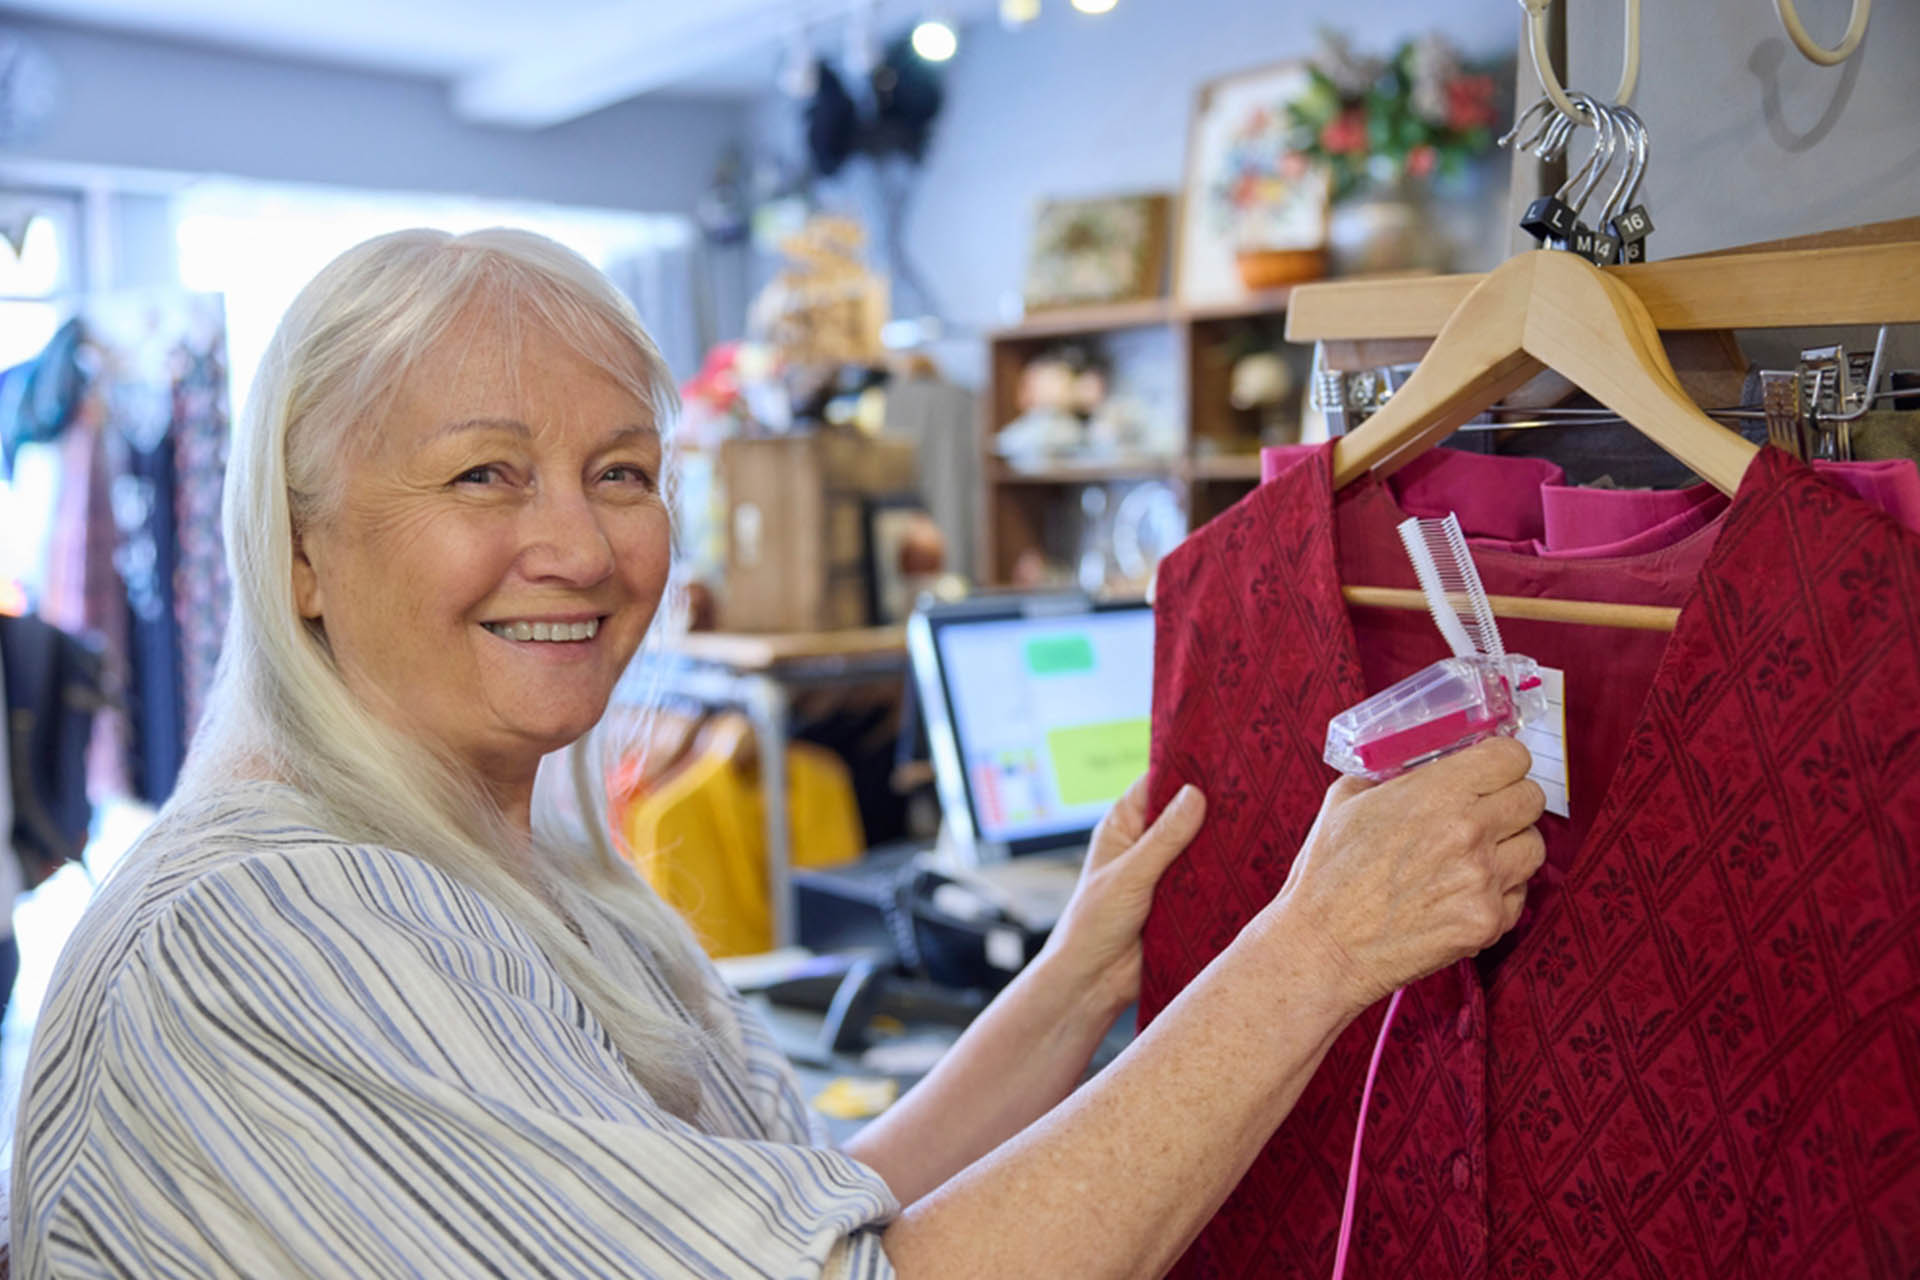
{"points": [[268, 1052]]}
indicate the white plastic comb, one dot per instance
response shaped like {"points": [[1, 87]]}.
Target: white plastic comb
{"points": [[1455, 597]]}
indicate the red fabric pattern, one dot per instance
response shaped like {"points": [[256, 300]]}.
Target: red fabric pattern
{"points": [[1705, 1058], [1255, 652]]}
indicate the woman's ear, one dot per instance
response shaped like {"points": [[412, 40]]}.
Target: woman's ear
{"points": [[306, 580]]}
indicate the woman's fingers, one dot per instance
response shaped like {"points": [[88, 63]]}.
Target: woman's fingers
{"points": [[1512, 903], [1171, 832], [1516, 858], [1511, 809], [1485, 768]]}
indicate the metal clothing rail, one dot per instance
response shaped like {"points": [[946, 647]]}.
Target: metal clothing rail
{"points": [[758, 674]]}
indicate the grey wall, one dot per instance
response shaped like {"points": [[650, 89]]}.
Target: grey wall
{"points": [[1077, 105], [1751, 141], [154, 104]]}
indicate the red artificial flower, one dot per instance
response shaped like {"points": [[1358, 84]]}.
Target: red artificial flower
{"points": [[1470, 103], [1346, 132], [1421, 161]]}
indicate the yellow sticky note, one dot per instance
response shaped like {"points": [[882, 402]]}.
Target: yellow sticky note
{"points": [[855, 1097]]}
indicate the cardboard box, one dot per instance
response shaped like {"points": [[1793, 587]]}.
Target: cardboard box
{"points": [[797, 534]]}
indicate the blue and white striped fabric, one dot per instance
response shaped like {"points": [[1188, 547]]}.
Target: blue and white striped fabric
{"points": [[270, 1053]]}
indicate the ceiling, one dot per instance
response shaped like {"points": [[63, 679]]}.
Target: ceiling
{"points": [[526, 63]]}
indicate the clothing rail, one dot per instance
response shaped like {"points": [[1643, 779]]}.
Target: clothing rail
{"points": [[1632, 617]]}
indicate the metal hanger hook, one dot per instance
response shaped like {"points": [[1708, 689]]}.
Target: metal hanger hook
{"points": [[1606, 141], [1634, 130]]}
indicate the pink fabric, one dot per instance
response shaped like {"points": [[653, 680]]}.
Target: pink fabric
{"points": [[1570, 522]]}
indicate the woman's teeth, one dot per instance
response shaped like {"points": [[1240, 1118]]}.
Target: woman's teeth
{"points": [[545, 630]]}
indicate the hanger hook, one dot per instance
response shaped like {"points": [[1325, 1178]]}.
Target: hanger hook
{"points": [[1605, 142], [1812, 49], [1538, 106], [1633, 132]]}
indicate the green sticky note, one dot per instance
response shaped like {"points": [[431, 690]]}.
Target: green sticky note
{"points": [[1062, 655], [1095, 763]]}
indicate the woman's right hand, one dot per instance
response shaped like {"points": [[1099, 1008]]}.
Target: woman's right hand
{"points": [[1399, 879]]}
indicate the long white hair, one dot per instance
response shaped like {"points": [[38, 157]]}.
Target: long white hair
{"points": [[278, 707]]}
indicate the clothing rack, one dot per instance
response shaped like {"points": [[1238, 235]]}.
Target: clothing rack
{"points": [[1601, 327], [758, 674], [1791, 289]]}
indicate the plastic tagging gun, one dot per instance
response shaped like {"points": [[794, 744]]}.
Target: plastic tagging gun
{"points": [[1480, 691]]}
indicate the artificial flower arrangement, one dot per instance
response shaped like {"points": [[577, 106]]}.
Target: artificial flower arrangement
{"points": [[1367, 120]]}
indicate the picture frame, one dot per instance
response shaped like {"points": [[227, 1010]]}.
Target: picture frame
{"points": [[1244, 193], [1085, 252]]}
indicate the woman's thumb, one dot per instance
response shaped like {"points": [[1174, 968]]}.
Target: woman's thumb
{"points": [[1173, 830]]}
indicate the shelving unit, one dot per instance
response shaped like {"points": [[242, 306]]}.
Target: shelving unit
{"points": [[1218, 462]]}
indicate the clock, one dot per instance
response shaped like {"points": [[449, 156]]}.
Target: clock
{"points": [[29, 89]]}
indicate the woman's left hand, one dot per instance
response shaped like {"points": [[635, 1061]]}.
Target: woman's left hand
{"points": [[1098, 938]]}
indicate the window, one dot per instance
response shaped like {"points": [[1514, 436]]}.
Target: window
{"points": [[259, 244]]}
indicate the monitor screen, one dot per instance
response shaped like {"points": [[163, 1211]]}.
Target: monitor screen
{"points": [[1051, 716]]}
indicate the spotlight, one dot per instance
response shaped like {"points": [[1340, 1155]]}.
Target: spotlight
{"points": [[1094, 6], [1018, 13], [934, 40]]}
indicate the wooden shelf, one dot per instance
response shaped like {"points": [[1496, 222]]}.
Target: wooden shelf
{"points": [[1230, 466], [1140, 315], [1086, 472], [1071, 320], [1023, 512], [1265, 302]]}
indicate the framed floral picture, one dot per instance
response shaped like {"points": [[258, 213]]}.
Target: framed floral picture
{"points": [[1253, 211], [1110, 249]]}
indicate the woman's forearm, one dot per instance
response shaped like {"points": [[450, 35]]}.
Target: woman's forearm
{"points": [[1023, 1054], [1118, 1179]]}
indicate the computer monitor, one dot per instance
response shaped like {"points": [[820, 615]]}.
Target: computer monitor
{"points": [[1038, 712]]}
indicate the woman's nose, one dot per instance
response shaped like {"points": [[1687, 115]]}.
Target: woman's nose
{"points": [[565, 540]]}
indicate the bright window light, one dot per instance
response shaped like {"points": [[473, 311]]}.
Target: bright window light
{"points": [[934, 40], [258, 245], [1094, 6]]}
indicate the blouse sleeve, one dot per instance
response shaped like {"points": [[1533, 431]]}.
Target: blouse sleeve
{"points": [[345, 1063]]}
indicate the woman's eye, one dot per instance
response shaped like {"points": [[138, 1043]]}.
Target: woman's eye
{"points": [[624, 473], [478, 475]]}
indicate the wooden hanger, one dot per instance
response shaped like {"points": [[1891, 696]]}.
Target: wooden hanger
{"points": [[1543, 310]]}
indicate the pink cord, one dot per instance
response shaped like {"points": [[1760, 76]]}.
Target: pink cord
{"points": [[1359, 1132]]}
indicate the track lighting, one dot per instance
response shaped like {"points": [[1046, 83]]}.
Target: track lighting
{"points": [[934, 40]]}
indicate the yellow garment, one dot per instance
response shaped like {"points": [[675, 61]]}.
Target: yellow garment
{"points": [[700, 840]]}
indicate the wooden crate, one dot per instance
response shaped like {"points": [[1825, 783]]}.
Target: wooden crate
{"points": [[797, 536]]}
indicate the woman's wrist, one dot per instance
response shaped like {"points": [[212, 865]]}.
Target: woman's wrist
{"points": [[1090, 992], [1318, 972]]}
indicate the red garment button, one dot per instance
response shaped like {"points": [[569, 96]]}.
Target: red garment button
{"points": [[1462, 1173], [1464, 1024]]}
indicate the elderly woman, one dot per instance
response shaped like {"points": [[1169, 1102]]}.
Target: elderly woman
{"points": [[363, 1003]]}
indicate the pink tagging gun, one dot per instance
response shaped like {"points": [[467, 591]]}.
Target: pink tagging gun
{"points": [[1480, 691]]}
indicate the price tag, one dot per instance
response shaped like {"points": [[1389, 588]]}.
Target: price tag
{"points": [[1547, 739]]}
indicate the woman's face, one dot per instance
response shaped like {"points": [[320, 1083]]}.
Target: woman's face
{"points": [[498, 553]]}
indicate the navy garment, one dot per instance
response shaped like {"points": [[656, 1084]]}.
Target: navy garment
{"points": [[53, 689], [143, 507]]}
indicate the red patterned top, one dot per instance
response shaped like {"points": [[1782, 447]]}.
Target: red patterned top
{"points": [[1700, 1053]]}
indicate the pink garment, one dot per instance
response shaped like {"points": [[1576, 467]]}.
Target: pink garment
{"points": [[1572, 522]]}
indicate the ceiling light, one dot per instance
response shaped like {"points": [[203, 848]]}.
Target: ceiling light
{"points": [[1018, 13], [1094, 6], [934, 40]]}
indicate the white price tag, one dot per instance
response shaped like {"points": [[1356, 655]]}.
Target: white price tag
{"points": [[1548, 742]]}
